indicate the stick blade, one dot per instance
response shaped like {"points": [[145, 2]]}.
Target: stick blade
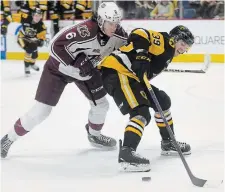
{"points": [[207, 61], [213, 183]]}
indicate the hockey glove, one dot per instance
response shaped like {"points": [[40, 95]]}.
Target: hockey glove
{"points": [[40, 43], [141, 64], [30, 45], [84, 64]]}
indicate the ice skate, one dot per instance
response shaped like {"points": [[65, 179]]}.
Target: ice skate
{"points": [[27, 71], [130, 161], [35, 67], [168, 148], [101, 141], [5, 145]]}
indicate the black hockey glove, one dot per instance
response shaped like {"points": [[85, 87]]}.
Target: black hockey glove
{"points": [[40, 43], [30, 45], [141, 64], [4, 29], [84, 64]]}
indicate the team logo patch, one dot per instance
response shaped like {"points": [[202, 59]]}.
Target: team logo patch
{"points": [[83, 31], [171, 42], [143, 95]]}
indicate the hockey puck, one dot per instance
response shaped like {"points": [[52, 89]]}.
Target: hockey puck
{"points": [[146, 178]]}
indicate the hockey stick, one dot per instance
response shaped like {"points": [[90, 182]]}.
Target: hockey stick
{"points": [[203, 70], [196, 181]]}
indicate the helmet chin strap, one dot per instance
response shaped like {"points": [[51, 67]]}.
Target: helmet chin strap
{"points": [[102, 28]]}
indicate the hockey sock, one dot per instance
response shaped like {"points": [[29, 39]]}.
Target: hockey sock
{"points": [[162, 126], [133, 133]]}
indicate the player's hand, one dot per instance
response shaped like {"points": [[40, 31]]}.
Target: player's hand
{"points": [[84, 64], [141, 64], [40, 43], [4, 29], [30, 46]]}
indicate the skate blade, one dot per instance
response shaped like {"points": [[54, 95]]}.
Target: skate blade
{"points": [[174, 153], [105, 148], [127, 167], [27, 75], [35, 69]]}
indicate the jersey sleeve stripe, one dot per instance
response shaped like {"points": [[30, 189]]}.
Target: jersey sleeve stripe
{"points": [[142, 33]]}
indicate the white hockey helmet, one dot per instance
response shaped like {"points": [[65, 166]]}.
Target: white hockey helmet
{"points": [[108, 11]]}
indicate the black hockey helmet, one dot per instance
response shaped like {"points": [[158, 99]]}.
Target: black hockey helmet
{"points": [[37, 10], [183, 33]]}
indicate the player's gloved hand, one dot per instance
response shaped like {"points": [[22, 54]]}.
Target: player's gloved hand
{"points": [[30, 47], [40, 43], [141, 64], [84, 64], [3, 29]]}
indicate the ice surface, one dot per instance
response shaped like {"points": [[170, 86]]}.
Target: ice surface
{"points": [[56, 155]]}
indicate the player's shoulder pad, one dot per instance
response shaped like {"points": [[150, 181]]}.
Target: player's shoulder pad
{"points": [[87, 30], [141, 32], [121, 33], [42, 24], [25, 18]]}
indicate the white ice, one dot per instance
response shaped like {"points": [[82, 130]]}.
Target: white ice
{"points": [[56, 155]]}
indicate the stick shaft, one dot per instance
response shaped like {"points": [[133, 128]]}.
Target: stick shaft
{"points": [[194, 180]]}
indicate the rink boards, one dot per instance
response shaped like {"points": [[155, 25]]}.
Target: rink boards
{"points": [[209, 38]]}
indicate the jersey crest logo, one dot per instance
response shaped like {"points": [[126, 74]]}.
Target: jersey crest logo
{"points": [[143, 95], [172, 43], [83, 31]]}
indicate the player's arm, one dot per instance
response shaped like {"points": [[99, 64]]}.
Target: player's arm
{"points": [[41, 34], [140, 39], [66, 49]]}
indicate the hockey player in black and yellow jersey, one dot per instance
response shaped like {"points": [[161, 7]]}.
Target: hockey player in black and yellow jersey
{"points": [[67, 10], [148, 52], [27, 6], [83, 9], [31, 36], [6, 17]]}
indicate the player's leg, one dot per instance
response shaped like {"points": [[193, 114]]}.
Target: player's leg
{"points": [[30, 47], [166, 143], [95, 93], [130, 98], [34, 56], [50, 88]]}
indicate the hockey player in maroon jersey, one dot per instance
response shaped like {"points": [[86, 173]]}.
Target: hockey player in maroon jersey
{"points": [[74, 52]]}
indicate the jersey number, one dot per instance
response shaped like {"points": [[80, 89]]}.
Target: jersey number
{"points": [[156, 40], [70, 35]]}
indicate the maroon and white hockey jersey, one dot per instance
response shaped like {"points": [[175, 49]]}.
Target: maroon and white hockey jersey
{"points": [[84, 37]]}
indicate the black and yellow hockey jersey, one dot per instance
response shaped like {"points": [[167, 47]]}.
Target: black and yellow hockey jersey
{"points": [[27, 6], [32, 30], [159, 45], [67, 9], [83, 9], [6, 11]]}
